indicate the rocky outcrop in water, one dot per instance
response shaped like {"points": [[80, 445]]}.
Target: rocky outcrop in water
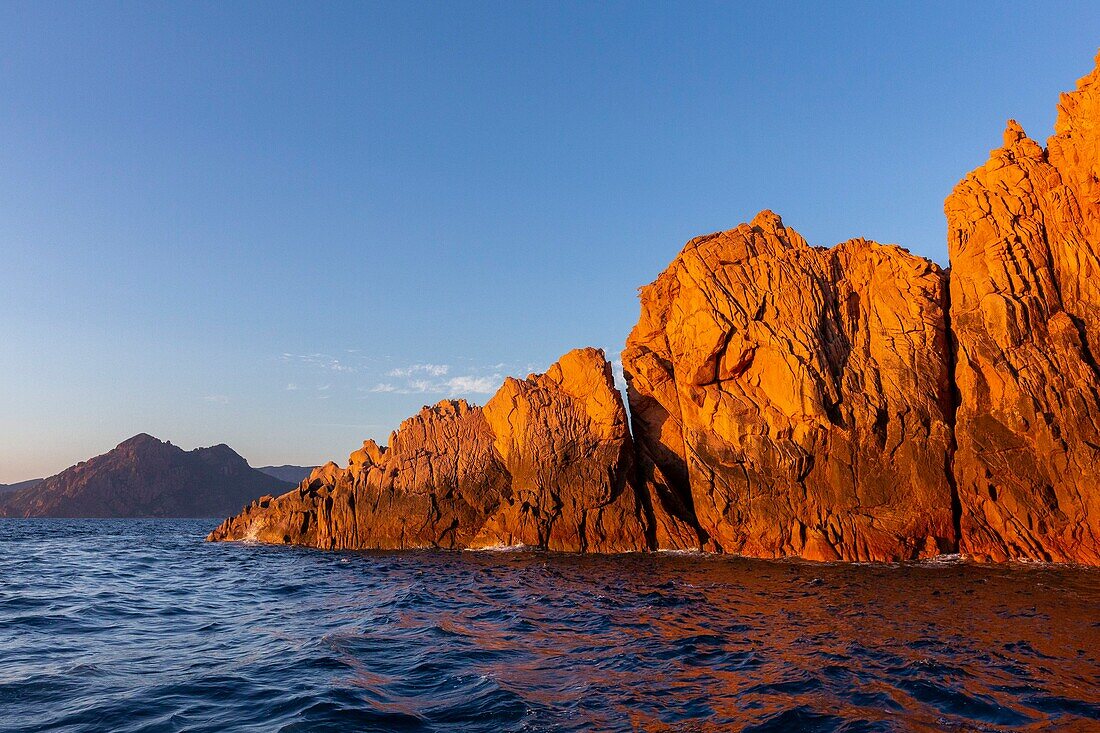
{"points": [[547, 462], [145, 477], [795, 400], [851, 403], [1024, 237]]}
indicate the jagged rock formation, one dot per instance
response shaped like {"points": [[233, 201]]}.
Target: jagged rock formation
{"points": [[145, 477], [851, 403], [548, 462], [794, 400], [1023, 237]]}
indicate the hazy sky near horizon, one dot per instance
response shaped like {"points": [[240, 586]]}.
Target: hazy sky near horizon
{"points": [[287, 226]]}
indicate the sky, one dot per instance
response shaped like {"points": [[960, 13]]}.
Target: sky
{"points": [[288, 226]]}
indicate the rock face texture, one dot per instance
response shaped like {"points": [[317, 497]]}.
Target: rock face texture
{"points": [[854, 403], [145, 477], [794, 400], [1023, 237], [548, 462]]}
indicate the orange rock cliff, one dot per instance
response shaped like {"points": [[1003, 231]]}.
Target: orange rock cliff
{"points": [[548, 462], [855, 403], [1024, 239], [792, 400]]}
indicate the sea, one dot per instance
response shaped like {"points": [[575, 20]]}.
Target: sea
{"points": [[140, 625]]}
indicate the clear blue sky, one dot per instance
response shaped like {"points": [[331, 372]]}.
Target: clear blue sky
{"points": [[288, 226]]}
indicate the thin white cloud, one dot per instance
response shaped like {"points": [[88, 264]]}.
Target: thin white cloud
{"points": [[453, 387], [468, 378], [217, 399], [418, 377], [475, 385], [431, 370], [321, 361]]}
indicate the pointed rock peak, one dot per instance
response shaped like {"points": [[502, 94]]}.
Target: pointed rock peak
{"points": [[1014, 133], [576, 393], [1079, 107], [1017, 145], [1075, 146], [219, 452], [770, 224], [764, 235], [584, 374], [767, 220], [578, 363], [371, 454], [372, 449], [450, 407], [1093, 77], [326, 473], [141, 440]]}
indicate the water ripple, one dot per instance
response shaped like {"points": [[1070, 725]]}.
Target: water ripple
{"points": [[139, 626]]}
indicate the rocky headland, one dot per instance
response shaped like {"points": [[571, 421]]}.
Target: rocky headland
{"points": [[145, 477], [547, 462], [852, 403]]}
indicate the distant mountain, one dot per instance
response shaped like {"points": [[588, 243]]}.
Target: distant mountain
{"points": [[8, 488], [146, 477], [292, 474]]}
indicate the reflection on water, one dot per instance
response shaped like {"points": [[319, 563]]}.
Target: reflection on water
{"points": [[137, 625]]}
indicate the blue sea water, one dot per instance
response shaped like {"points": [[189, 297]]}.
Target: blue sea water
{"points": [[138, 625]]}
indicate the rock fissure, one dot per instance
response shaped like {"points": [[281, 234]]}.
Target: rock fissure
{"points": [[951, 413]]}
